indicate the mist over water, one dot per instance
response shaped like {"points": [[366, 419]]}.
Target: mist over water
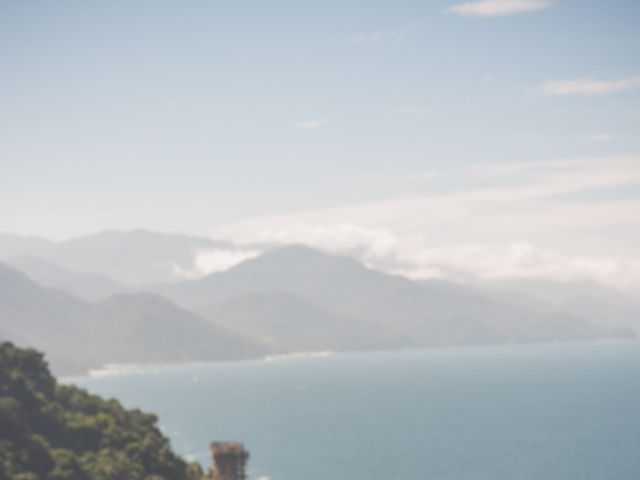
{"points": [[558, 412]]}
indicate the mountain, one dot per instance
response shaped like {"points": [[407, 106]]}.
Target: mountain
{"points": [[88, 286], [331, 281], [138, 327], [597, 303], [147, 328], [289, 299], [431, 313], [35, 316], [287, 323], [130, 257], [50, 431]]}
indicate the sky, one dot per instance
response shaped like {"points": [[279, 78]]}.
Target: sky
{"points": [[477, 139]]}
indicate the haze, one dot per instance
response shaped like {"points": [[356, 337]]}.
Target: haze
{"points": [[434, 139]]}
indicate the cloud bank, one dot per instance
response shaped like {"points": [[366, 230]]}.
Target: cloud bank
{"points": [[552, 220], [210, 261]]}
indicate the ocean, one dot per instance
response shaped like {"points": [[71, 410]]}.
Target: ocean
{"points": [[552, 412]]}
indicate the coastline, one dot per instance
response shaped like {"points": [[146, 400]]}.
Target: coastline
{"points": [[144, 368]]}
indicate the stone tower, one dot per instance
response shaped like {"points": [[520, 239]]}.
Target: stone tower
{"points": [[228, 461]]}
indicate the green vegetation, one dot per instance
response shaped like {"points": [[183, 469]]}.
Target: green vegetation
{"points": [[54, 432]]}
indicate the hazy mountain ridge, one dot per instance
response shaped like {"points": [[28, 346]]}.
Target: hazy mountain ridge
{"points": [[430, 313], [132, 258], [585, 299], [125, 328], [88, 286], [287, 323], [153, 256], [318, 277], [292, 298]]}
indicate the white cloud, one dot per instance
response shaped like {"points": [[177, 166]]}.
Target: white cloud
{"points": [[498, 8], [522, 260], [210, 261], [311, 124], [589, 87], [519, 220], [412, 256]]}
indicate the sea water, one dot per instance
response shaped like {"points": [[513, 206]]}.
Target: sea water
{"points": [[552, 412]]}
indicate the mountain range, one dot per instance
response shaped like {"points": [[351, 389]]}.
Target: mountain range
{"points": [[134, 258], [429, 313], [125, 328], [56, 297]]}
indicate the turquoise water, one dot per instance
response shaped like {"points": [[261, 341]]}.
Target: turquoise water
{"points": [[553, 412]]}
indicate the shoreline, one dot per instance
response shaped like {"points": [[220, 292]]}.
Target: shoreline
{"points": [[142, 368]]}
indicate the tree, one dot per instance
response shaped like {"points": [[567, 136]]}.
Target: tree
{"points": [[58, 432]]}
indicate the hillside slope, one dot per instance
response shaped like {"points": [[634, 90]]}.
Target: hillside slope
{"points": [[431, 313], [287, 323], [143, 327], [50, 431], [87, 286], [131, 258]]}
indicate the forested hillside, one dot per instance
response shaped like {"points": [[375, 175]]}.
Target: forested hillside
{"points": [[50, 431]]}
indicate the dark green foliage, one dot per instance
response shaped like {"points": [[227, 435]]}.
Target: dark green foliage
{"points": [[57, 432]]}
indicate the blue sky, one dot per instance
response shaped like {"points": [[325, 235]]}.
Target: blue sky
{"points": [[200, 116]]}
